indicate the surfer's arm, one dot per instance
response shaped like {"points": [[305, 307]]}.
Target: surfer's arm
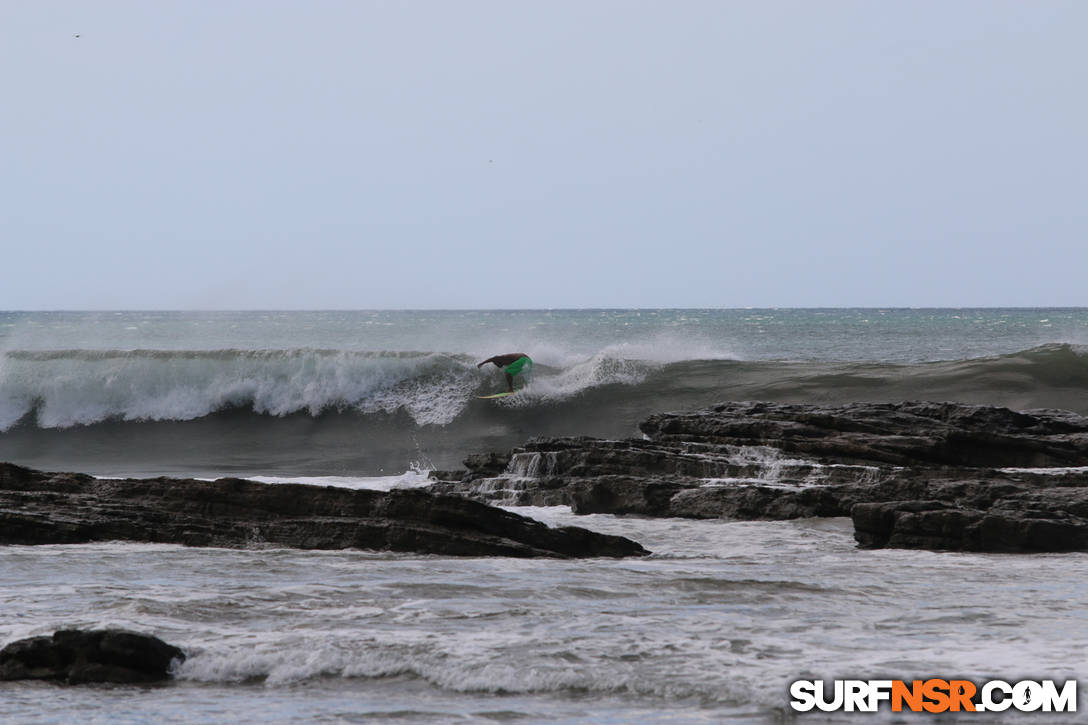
{"points": [[503, 360], [499, 360]]}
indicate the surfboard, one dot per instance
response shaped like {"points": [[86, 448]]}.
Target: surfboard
{"points": [[496, 395]]}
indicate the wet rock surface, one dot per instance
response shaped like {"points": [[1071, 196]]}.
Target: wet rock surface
{"points": [[68, 508], [916, 474], [905, 434], [86, 656]]}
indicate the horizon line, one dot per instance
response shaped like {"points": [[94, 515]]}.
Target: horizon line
{"points": [[120, 310]]}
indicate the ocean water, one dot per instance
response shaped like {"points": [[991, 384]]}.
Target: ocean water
{"points": [[379, 393], [711, 628]]}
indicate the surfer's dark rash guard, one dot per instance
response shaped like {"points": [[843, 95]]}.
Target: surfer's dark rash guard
{"points": [[518, 365]]}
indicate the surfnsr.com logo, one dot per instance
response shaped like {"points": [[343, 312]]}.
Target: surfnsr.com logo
{"points": [[934, 695]]}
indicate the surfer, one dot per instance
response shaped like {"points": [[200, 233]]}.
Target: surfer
{"points": [[511, 364]]}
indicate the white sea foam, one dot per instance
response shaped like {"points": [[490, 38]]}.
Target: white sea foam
{"points": [[725, 614], [602, 369], [658, 346], [461, 663], [413, 478], [1054, 471], [68, 388]]}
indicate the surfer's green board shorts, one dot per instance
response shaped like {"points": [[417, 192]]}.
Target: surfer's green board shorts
{"points": [[522, 363]]}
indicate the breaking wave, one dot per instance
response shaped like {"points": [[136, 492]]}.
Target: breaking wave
{"points": [[335, 412], [66, 388]]}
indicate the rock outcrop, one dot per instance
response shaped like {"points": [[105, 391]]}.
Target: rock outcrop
{"points": [[927, 475], [1049, 519], [65, 508], [904, 434], [84, 656]]}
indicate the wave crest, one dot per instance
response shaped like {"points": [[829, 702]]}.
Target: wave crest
{"points": [[66, 388]]}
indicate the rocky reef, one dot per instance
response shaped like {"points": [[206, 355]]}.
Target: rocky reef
{"points": [[68, 508], [915, 474], [940, 476], [84, 656]]}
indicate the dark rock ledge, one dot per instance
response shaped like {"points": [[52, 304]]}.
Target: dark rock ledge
{"points": [[916, 474], [70, 508], [83, 656]]}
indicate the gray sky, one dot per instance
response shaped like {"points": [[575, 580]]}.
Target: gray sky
{"points": [[552, 154]]}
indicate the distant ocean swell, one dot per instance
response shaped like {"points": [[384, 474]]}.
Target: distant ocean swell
{"points": [[69, 388]]}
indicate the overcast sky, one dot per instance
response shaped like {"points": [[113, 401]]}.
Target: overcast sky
{"points": [[319, 154]]}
